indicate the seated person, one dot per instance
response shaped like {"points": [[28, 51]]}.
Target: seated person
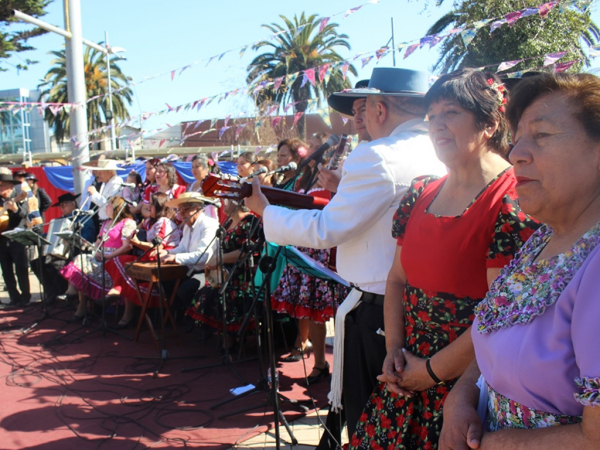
{"points": [[197, 244], [49, 271]]}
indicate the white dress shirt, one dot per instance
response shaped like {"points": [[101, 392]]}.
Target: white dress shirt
{"points": [[358, 219], [196, 239], [107, 190]]}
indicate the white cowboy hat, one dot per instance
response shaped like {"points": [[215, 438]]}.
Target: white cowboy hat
{"points": [[104, 164], [190, 197]]}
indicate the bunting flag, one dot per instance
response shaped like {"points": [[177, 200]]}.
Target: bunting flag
{"points": [[351, 11], [162, 141], [186, 67], [529, 12], [482, 23], [324, 22], [436, 39], [226, 120], [324, 113], [243, 50], [345, 69], [271, 110], [310, 74], [276, 121], [210, 60], [214, 156], [322, 71], [222, 54], [381, 52], [297, 118], [304, 79], [344, 120], [546, 8], [172, 75], [561, 67], [366, 61], [327, 75], [238, 130], [410, 50], [553, 57], [222, 131], [497, 24], [291, 78], [198, 123], [512, 17], [213, 122], [277, 83], [507, 65]]}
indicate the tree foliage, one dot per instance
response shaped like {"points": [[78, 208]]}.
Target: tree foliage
{"points": [[54, 90], [17, 41], [569, 30], [298, 45]]}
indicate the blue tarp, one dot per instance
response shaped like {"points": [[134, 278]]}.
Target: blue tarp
{"points": [[62, 177]]}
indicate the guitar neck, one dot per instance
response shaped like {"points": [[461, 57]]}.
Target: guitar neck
{"points": [[293, 199]]}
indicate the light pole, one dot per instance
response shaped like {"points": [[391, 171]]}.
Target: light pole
{"points": [[110, 117]]}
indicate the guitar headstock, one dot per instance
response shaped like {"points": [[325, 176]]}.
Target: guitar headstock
{"points": [[225, 186]]}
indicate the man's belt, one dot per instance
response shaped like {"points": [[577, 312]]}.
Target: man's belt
{"points": [[372, 299]]}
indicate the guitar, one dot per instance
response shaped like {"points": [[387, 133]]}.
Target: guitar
{"points": [[4, 211], [340, 152], [223, 186]]}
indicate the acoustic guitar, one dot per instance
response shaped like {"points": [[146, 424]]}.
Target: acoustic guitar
{"points": [[224, 186]]}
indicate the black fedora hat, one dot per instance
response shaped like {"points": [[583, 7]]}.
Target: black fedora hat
{"points": [[392, 81], [510, 83], [66, 198], [8, 178], [30, 176], [344, 104]]}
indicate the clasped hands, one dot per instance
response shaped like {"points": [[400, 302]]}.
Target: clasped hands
{"points": [[164, 256], [405, 373]]}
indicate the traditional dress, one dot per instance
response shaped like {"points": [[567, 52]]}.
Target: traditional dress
{"points": [[445, 260], [173, 192], [86, 275], [535, 335], [165, 229], [207, 306]]}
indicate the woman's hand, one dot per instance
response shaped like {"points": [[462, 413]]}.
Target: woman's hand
{"points": [[462, 426], [393, 366], [415, 376]]}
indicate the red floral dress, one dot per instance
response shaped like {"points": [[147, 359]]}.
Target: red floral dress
{"points": [[446, 261]]}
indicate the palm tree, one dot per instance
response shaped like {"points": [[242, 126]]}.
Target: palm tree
{"points": [[527, 38], [54, 90], [299, 45]]}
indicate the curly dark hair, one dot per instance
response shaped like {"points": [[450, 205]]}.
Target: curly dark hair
{"points": [[171, 173]]}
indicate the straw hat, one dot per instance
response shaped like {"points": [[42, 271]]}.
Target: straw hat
{"points": [[190, 197], [104, 164]]}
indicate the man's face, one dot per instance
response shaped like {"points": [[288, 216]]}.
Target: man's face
{"points": [[6, 189], [359, 109], [189, 212], [67, 208]]}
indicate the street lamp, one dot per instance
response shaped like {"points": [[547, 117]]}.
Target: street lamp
{"points": [[109, 114]]}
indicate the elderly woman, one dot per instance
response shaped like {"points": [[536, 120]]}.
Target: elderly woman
{"points": [[535, 332], [87, 275], [454, 234]]}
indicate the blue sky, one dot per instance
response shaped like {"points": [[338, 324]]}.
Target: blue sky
{"points": [[161, 36]]}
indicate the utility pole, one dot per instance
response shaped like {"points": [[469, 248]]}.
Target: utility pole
{"points": [[393, 43], [111, 116]]}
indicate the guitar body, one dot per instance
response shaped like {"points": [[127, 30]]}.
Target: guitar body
{"points": [[222, 187], [3, 223]]}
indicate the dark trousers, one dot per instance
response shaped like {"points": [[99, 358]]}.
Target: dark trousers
{"points": [[49, 275], [364, 353], [13, 259]]}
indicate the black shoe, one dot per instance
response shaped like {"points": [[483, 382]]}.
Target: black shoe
{"points": [[76, 318], [323, 372]]}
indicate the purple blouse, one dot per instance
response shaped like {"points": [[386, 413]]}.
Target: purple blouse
{"points": [[535, 334]]}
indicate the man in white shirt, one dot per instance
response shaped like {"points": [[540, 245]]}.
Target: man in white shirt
{"points": [[106, 171], [197, 245], [358, 220]]}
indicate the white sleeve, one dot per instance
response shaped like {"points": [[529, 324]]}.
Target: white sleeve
{"points": [[366, 191], [203, 251]]}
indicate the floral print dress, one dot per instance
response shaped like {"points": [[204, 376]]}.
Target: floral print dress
{"points": [[207, 306], [534, 336], [446, 261]]}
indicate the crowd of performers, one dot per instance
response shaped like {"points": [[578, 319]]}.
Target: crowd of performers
{"points": [[470, 320]]}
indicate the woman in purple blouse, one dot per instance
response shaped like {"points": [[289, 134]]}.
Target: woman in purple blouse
{"points": [[536, 332]]}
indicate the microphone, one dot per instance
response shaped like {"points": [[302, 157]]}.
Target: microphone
{"points": [[317, 156], [131, 185], [82, 212], [290, 166], [129, 202], [255, 174]]}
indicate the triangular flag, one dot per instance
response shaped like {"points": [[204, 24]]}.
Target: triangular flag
{"points": [[529, 12], [277, 83], [276, 121], [366, 61], [162, 141], [410, 50], [553, 57], [243, 50], [222, 54], [296, 118], [481, 23], [467, 36], [323, 71], [323, 24], [351, 11], [210, 60], [512, 17], [222, 130], [213, 123], [291, 78], [271, 110], [546, 8], [310, 74], [327, 75], [497, 24], [344, 120], [507, 65], [561, 67], [238, 130], [186, 67], [434, 41], [381, 52], [172, 75], [304, 79], [226, 120], [345, 69]]}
